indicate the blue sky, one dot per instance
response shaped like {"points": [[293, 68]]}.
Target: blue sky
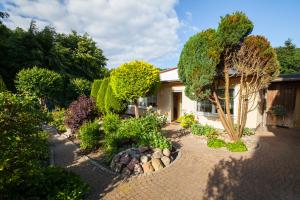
{"points": [[153, 30]]}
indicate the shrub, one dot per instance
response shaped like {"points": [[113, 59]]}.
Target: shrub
{"points": [[187, 120], [112, 103], [111, 123], [89, 135], [238, 146], [154, 139], [216, 143], [39, 82], [95, 88], [248, 131], [101, 95], [57, 119], [80, 111], [198, 129], [80, 86], [2, 85]]}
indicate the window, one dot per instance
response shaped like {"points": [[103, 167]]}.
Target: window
{"points": [[207, 107], [147, 101]]}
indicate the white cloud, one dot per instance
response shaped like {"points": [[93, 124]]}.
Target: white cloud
{"points": [[124, 29]]}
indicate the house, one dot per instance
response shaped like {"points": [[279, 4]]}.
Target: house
{"points": [[172, 101]]}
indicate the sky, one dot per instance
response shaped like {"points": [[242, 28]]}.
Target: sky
{"points": [[152, 30]]}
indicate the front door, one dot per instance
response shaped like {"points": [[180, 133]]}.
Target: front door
{"points": [[177, 104]]}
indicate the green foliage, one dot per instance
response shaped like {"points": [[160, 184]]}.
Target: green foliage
{"points": [[112, 103], [198, 129], [238, 146], [111, 123], [2, 85], [187, 120], [74, 55], [39, 82], [233, 28], [144, 131], [89, 135], [101, 95], [134, 79], [58, 118], [80, 86], [95, 88], [216, 143], [289, 58], [197, 64], [248, 131]]}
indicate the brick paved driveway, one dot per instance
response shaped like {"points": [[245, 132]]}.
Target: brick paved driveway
{"points": [[270, 172]]}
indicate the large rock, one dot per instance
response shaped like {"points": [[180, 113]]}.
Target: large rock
{"points": [[134, 153], [157, 154], [118, 167], [144, 159], [126, 171], [157, 164], [143, 149], [125, 159], [137, 169], [167, 152], [132, 163], [147, 167], [166, 160]]}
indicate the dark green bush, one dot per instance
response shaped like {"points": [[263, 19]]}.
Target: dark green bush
{"points": [[95, 88], [101, 96], [238, 146], [57, 119], [112, 103], [81, 87], [2, 85], [187, 120], [216, 143], [89, 135], [198, 129]]}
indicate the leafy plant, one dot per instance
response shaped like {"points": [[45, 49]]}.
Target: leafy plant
{"points": [[2, 85], [39, 82], [111, 123], [248, 131], [101, 95], [57, 119], [198, 129], [238, 146], [95, 88], [216, 143], [89, 135], [80, 111], [187, 120]]}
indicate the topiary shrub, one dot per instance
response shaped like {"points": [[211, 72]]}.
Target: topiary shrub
{"points": [[112, 103], [187, 120], [80, 111], [57, 119], [216, 143], [95, 88], [238, 146], [111, 123], [89, 135], [101, 95]]}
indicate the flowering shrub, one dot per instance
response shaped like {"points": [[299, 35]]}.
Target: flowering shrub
{"points": [[80, 111]]}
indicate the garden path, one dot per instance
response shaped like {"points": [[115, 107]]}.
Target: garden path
{"points": [[270, 172]]}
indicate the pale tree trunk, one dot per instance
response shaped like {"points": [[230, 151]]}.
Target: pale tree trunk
{"points": [[136, 109]]}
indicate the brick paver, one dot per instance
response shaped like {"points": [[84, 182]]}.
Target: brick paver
{"points": [[270, 172]]}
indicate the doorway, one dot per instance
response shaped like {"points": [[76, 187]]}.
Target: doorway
{"points": [[177, 105]]}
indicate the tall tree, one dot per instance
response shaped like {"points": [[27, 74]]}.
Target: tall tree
{"points": [[211, 59], [289, 58], [133, 80]]}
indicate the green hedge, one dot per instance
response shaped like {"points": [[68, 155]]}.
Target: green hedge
{"points": [[101, 96], [95, 88], [89, 135], [112, 103]]}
